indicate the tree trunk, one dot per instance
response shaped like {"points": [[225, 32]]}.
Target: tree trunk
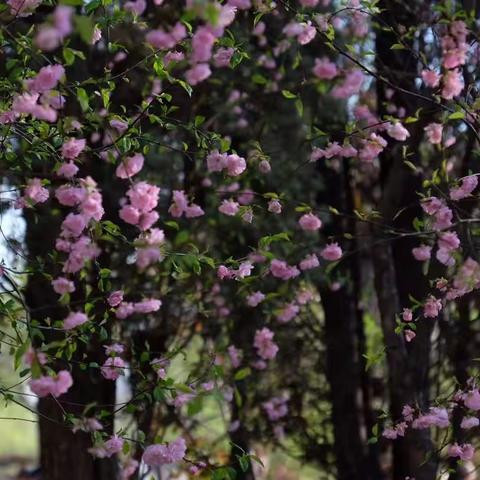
{"points": [[342, 364], [63, 454]]}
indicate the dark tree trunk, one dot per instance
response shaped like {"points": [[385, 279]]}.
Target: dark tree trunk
{"points": [[63, 454], [398, 275], [342, 364]]}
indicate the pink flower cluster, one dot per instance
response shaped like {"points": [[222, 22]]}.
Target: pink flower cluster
{"points": [[74, 319], [148, 248], [55, 386], [441, 214], [87, 198], [165, 454], [333, 149], [143, 199], [130, 166], [50, 36], [303, 32], [232, 163], [276, 408], [281, 269], [148, 305], [465, 189], [263, 342], [110, 447], [181, 206]]}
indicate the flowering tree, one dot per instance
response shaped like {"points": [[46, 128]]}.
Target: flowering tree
{"points": [[260, 215]]}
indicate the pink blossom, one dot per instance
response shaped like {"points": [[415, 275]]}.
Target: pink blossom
{"points": [[31, 356], [398, 132], [432, 307], [235, 356], [244, 270], [70, 196], [434, 133], [202, 44], [472, 400], [422, 253], [445, 257], [46, 79], [246, 197], [274, 206], [264, 167], [288, 313], [255, 299], [224, 272], [130, 166], [62, 285], [164, 454], [55, 386], [72, 148], [198, 73], [115, 298], [222, 57], [452, 84], [309, 262], [436, 416], [324, 69], [280, 269], [351, 85], [266, 348], [235, 165], [216, 161], [129, 214], [73, 225], [464, 452], [276, 408], [309, 222], [114, 348], [62, 20], [128, 469], [23, 8], [48, 38], [229, 207], [434, 206], [372, 148], [240, 4], [448, 241], [467, 186], [136, 7], [74, 319], [35, 192], [409, 335], [331, 252], [113, 445], [143, 196], [407, 315], [147, 305], [469, 422], [67, 170], [160, 39], [443, 218], [113, 368], [431, 78], [173, 56]]}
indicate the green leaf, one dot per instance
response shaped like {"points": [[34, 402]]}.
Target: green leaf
{"points": [[82, 97], [68, 55], [458, 115], [288, 94], [243, 373], [299, 106], [85, 26]]}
